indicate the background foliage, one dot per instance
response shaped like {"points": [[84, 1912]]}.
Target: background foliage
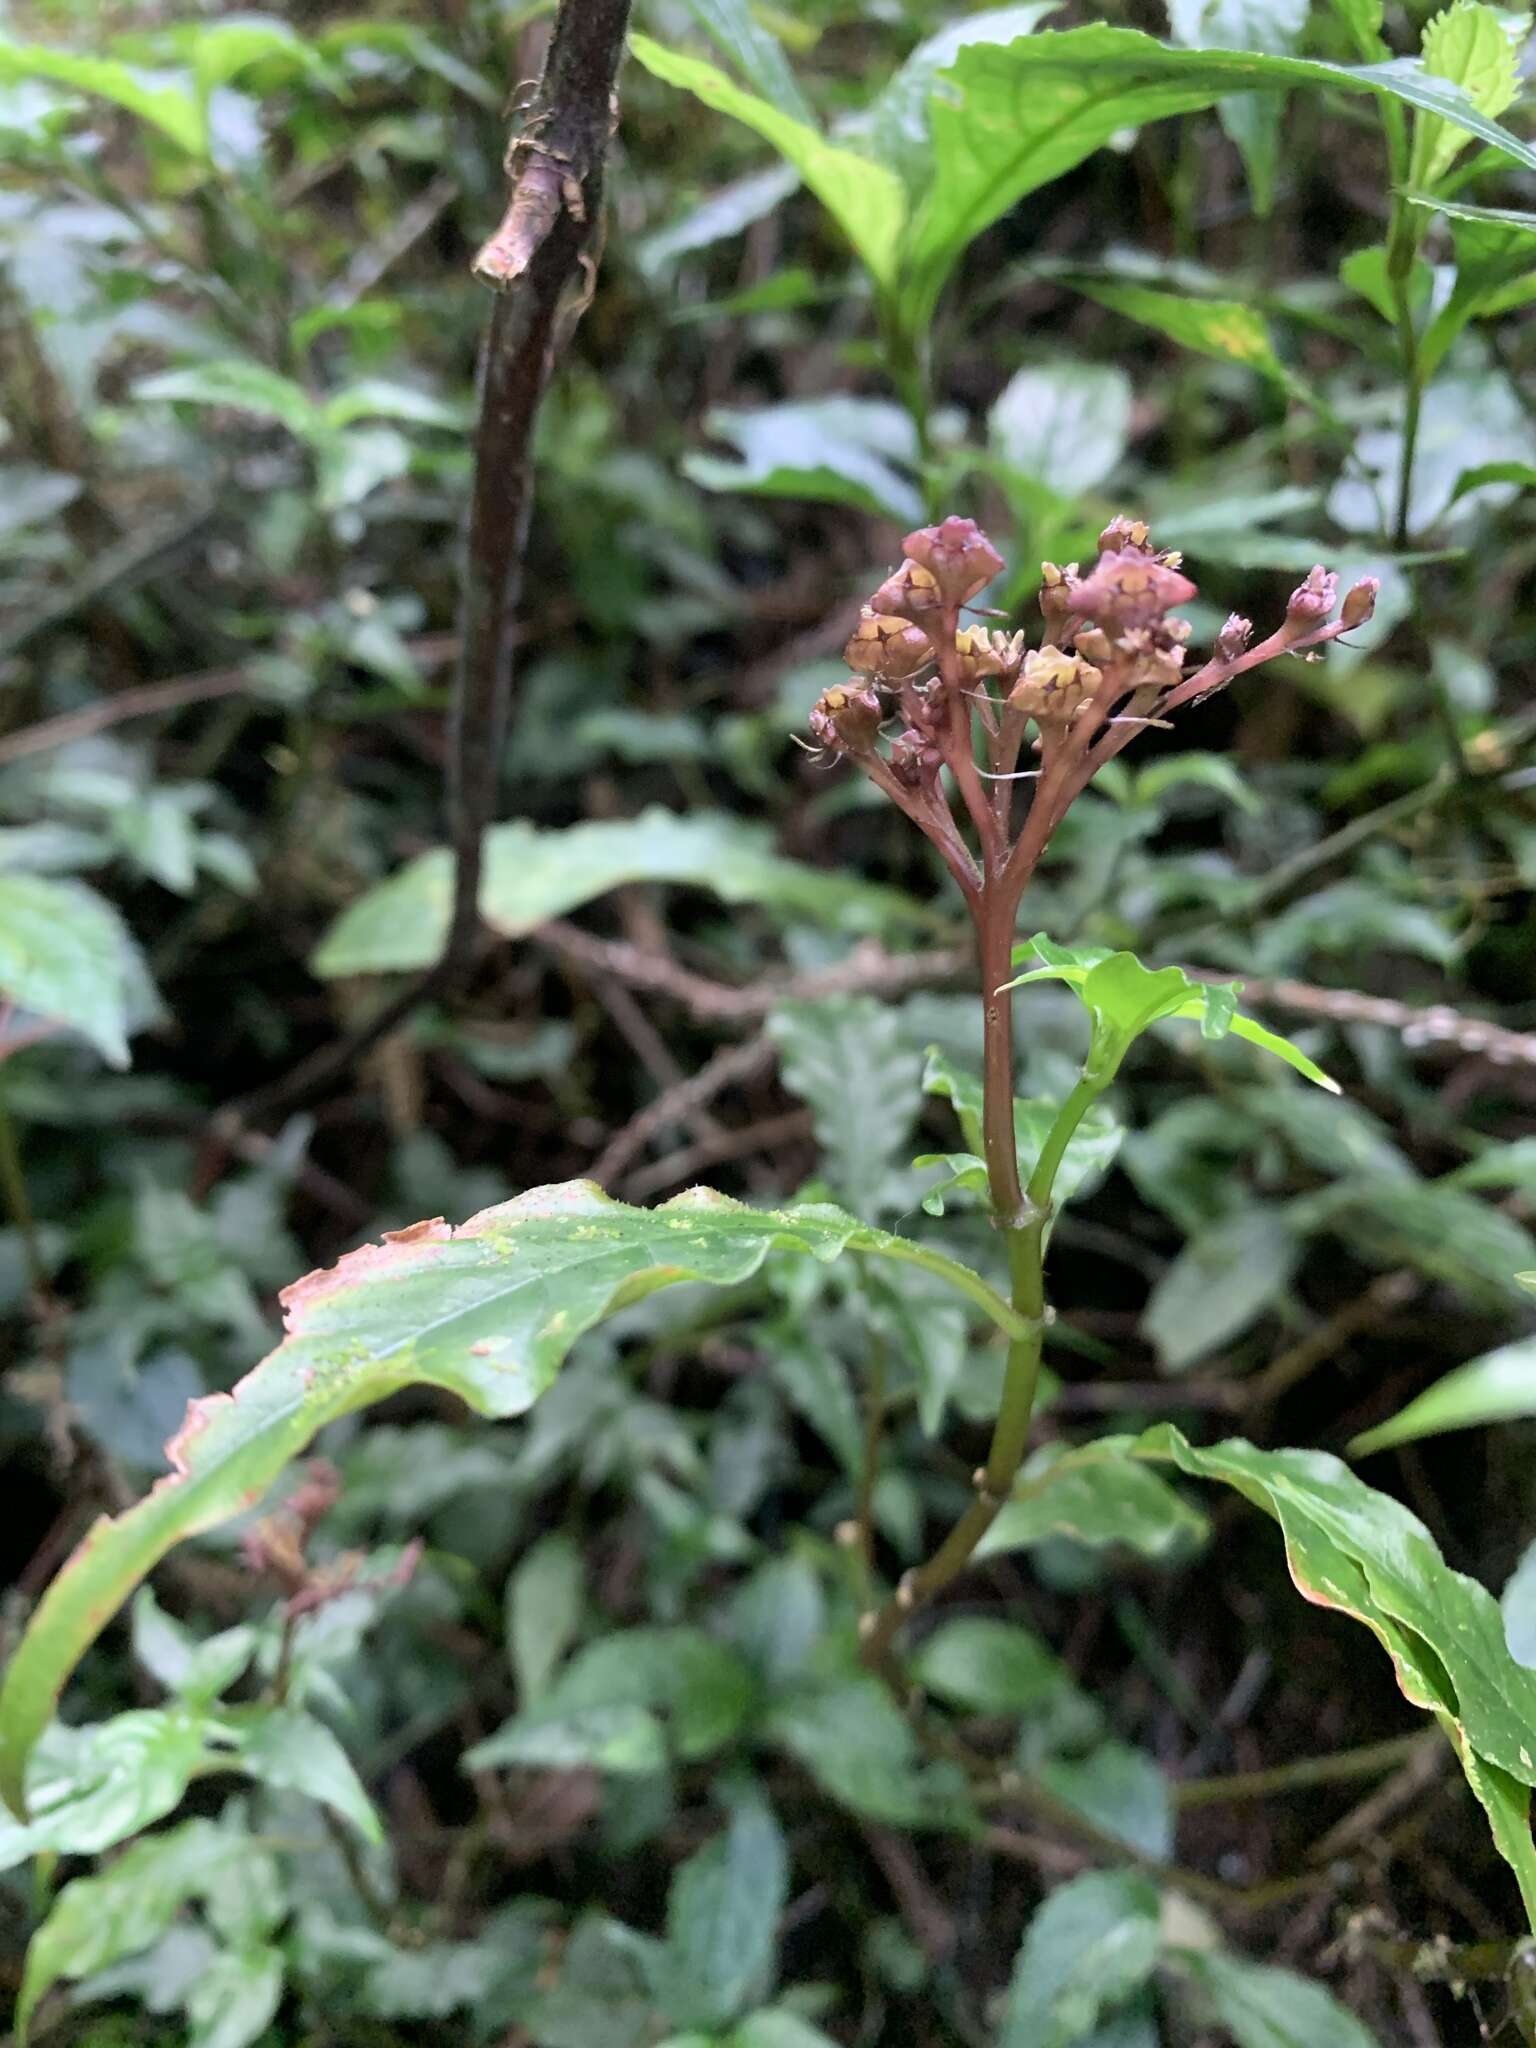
{"points": [[571, 1746]]}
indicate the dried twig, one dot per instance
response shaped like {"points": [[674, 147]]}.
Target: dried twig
{"points": [[674, 1105], [542, 262], [867, 969], [680, 1166]]}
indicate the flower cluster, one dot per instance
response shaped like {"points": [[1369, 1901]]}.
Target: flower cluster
{"points": [[926, 687]]}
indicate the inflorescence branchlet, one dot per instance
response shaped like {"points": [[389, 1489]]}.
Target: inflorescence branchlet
{"points": [[1114, 659]]}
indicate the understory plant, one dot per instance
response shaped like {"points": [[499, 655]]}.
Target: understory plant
{"points": [[984, 741]]}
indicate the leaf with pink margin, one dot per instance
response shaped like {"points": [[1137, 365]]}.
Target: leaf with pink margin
{"points": [[487, 1311]]}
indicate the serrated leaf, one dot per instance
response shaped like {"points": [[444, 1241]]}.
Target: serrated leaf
{"points": [[1097, 1496], [1264, 2007], [836, 451], [897, 122], [863, 197], [846, 1059], [65, 955], [1468, 44], [1089, 1948], [723, 1911], [1222, 1281], [1014, 117], [487, 1311], [1357, 1550], [532, 876], [1498, 1387]]}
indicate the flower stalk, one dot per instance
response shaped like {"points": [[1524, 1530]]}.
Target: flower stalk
{"points": [[939, 716]]}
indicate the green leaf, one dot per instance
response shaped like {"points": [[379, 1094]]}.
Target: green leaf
{"points": [[992, 1667], [757, 55], [1518, 1603], [235, 1998], [860, 1749], [897, 122], [610, 1695], [65, 955], [1363, 19], [1263, 2007], [544, 1602], [1357, 1550], [1521, 473], [1123, 999], [1434, 1225], [487, 1311], [1097, 1496], [92, 1787], [1089, 1948], [1497, 1387], [1251, 119], [722, 214], [96, 1920], [846, 1059], [197, 1671], [1495, 271], [221, 50], [1221, 1282], [293, 1752], [174, 112], [837, 451], [1227, 329], [1121, 1791], [1066, 424], [1461, 209], [533, 876], [723, 1913], [1468, 44], [240, 385], [1017, 116], [864, 198], [1089, 1154]]}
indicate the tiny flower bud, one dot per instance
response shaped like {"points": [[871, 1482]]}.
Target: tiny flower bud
{"points": [[846, 720], [1052, 684], [1130, 589], [888, 648], [1313, 600], [988, 654], [1233, 637], [1360, 601], [958, 555], [1057, 587], [910, 592], [1094, 643], [1124, 533], [915, 761]]}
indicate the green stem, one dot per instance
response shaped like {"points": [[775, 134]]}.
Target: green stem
{"points": [[13, 1190], [1022, 1215], [1373, 1760], [1405, 228]]}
